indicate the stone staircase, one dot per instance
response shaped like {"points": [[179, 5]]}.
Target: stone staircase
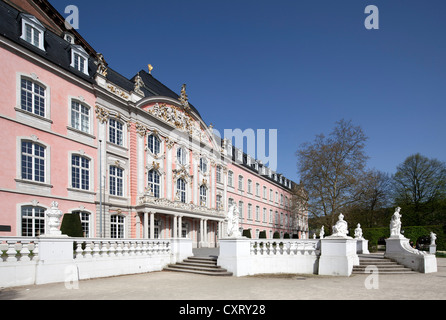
{"points": [[200, 265], [384, 265]]}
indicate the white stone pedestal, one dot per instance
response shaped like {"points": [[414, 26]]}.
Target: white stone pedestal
{"points": [[399, 249], [362, 246], [338, 256], [432, 249], [235, 255], [56, 261], [181, 249]]}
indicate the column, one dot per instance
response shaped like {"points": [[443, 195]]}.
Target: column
{"points": [[200, 244], [152, 225], [180, 226], [175, 226], [146, 225]]}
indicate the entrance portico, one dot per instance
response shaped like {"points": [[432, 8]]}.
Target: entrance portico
{"points": [[156, 223]]}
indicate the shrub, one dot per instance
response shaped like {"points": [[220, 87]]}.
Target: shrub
{"points": [[71, 225], [247, 233]]}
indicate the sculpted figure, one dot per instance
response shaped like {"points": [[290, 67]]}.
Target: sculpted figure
{"points": [[358, 232], [340, 229], [322, 233], [395, 223], [233, 222], [433, 238]]}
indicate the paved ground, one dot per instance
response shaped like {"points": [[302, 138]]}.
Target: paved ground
{"points": [[182, 286]]}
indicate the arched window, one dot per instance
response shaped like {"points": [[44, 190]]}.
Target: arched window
{"points": [[181, 190], [203, 197], [153, 143], [154, 183]]}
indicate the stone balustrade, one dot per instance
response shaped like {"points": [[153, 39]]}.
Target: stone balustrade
{"points": [[115, 248], [46, 259], [284, 247]]}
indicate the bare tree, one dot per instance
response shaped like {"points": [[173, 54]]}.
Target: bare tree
{"points": [[419, 181], [330, 169]]}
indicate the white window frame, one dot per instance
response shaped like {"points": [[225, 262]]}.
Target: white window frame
{"points": [[154, 183], [117, 131], [33, 220], [203, 195], [230, 178], [90, 175], [119, 226], [77, 53], [181, 155], [116, 179], [180, 192], [79, 115], [154, 146], [29, 21]]}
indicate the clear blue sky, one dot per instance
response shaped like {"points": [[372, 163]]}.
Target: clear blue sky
{"points": [[295, 66]]}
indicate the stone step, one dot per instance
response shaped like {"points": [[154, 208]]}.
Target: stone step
{"points": [[384, 265], [199, 265], [221, 272]]}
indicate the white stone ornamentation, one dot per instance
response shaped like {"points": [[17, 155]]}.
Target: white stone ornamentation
{"points": [[54, 215], [340, 229], [358, 232], [395, 224], [233, 230]]}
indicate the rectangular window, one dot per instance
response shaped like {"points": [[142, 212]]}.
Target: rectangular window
{"points": [[218, 174], [80, 172], [33, 162], [116, 132], [32, 35], [240, 182], [116, 181], [249, 211], [80, 117], [218, 203], [32, 97], [117, 227], [33, 221], [257, 213], [79, 62]]}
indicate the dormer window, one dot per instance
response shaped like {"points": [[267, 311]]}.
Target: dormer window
{"points": [[69, 38], [79, 59], [33, 31]]}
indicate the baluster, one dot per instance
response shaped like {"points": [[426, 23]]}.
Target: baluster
{"points": [[145, 248], [96, 249], [138, 248], [24, 252], [87, 251], [79, 251], [125, 249], [119, 249], [104, 249], [35, 253], [11, 252], [112, 249], [132, 248]]}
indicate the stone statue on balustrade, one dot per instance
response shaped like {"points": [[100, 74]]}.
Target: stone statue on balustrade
{"points": [[53, 215], [358, 232], [340, 229], [395, 224], [233, 230], [322, 233], [433, 237]]}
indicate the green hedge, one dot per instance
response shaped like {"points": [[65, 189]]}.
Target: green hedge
{"points": [[413, 233], [71, 225]]}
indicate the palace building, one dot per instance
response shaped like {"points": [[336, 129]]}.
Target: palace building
{"points": [[131, 156]]}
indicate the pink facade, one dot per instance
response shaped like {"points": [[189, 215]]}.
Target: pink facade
{"points": [[164, 173]]}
